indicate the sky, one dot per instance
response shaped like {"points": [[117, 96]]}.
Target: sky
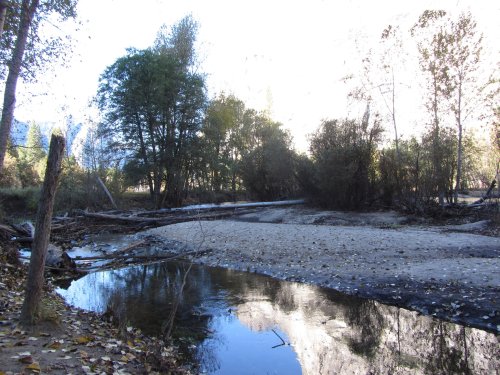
{"points": [[285, 56]]}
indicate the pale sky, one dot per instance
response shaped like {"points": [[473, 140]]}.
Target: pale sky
{"points": [[292, 52]]}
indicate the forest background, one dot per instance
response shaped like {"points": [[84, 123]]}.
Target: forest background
{"points": [[152, 128]]}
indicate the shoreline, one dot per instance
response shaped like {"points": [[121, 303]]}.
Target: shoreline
{"points": [[452, 276]]}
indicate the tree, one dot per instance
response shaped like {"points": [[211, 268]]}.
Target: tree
{"points": [[433, 51], [267, 169], [179, 41], [27, 14], [343, 152], [34, 150], [391, 59], [450, 55], [31, 158], [153, 104], [30, 310], [4, 4], [377, 84], [23, 26], [220, 130], [464, 56]]}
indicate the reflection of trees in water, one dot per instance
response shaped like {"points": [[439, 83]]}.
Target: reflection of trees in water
{"points": [[387, 337], [449, 354], [146, 294], [367, 324]]}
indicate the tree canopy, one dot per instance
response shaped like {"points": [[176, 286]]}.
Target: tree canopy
{"points": [[154, 104]]}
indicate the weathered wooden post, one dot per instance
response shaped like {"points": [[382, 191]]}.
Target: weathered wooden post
{"points": [[34, 284]]}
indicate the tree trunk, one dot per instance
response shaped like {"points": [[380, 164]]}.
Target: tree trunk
{"points": [[396, 139], [28, 9], [460, 145], [30, 309], [3, 13], [459, 165], [106, 191]]}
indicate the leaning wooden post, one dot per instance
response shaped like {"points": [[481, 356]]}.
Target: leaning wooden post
{"points": [[34, 285]]}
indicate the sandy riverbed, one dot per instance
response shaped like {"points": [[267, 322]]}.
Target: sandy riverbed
{"points": [[449, 274]]}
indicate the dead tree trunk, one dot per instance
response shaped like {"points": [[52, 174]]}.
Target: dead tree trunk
{"points": [[30, 309], [106, 191]]}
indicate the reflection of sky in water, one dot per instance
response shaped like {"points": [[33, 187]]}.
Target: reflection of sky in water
{"points": [[231, 347], [85, 293], [226, 318], [243, 351]]}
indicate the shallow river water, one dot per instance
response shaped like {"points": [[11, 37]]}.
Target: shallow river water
{"points": [[231, 322]]}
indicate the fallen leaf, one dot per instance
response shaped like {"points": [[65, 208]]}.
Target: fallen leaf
{"points": [[55, 345], [130, 356], [83, 340], [35, 366]]}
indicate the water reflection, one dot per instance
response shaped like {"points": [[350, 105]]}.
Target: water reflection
{"points": [[226, 318]]}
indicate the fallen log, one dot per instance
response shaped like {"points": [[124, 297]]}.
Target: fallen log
{"points": [[130, 247], [129, 219], [172, 219], [138, 257], [222, 207]]}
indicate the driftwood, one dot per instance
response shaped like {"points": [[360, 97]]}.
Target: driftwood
{"points": [[77, 224], [130, 259], [131, 256], [130, 247]]}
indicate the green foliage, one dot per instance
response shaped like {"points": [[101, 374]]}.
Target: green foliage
{"points": [[19, 201], [153, 105], [268, 170], [72, 191], [9, 176], [344, 152], [32, 158], [306, 175], [42, 49], [222, 143], [24, 166], [413, 182]]}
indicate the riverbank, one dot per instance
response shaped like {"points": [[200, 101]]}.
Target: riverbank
{"points": [[69, 340], [436, 270], [449, 271]]}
